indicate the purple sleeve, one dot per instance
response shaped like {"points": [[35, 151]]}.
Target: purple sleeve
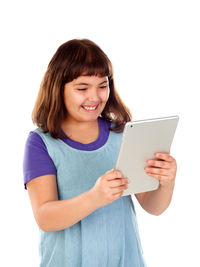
{"points": [[37, 161]]}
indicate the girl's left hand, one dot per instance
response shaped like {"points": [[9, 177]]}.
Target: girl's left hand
{"points": [[163, 168]]}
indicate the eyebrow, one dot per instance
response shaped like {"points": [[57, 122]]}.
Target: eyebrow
{"points": [[88, 83]]}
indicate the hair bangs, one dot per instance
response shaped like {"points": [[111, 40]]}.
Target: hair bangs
{"points": [[88, 61], [97, 64]]}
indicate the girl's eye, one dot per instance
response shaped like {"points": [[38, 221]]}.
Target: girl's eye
{"points": [[103, 86], [81, 88]]}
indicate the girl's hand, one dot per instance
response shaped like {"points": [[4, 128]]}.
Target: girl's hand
{"points": [[162, 168], [109, 187]]}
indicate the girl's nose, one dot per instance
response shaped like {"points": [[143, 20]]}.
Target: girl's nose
{"points": [[93, 95]]}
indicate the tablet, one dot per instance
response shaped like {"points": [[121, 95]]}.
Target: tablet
{"points": [[140, 140]]}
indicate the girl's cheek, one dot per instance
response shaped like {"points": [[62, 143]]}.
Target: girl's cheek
{"points": [[106, 95]]}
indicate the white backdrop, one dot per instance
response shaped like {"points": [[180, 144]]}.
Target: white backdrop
{"points": [[155, 49]]}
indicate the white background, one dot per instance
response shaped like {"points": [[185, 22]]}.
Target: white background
{"points": [[155, 49]]}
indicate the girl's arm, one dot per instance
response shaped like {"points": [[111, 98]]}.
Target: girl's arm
{"points": [[52, 214], [156, 202]]}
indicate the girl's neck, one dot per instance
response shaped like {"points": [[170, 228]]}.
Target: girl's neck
{"points": [[83, 132]]}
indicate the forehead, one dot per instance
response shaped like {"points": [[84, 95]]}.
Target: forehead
{"points": [[90, 79]]}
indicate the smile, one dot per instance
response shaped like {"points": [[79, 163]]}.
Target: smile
{"points": [[90, 108]]}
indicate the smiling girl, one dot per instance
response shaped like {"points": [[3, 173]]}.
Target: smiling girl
{"points": [[75, 193]]}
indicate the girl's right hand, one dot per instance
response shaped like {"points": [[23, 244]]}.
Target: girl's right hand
{"points": [[109, 187]]}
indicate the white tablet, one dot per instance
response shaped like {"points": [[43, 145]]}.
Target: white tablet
{"points": [[140, 140]]}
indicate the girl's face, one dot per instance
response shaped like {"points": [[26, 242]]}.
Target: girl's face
{"points": [[85, 97]]}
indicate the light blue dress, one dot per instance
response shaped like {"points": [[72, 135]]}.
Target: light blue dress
{"points": [[108, 237]]}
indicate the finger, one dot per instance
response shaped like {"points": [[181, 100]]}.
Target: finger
{"points": [[113, 175], [164, 156], [158, 171], [157, 176], [118, 182], [119, 189], [159, 163]]}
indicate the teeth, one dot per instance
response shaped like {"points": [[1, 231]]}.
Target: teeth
{"points": [[90, 108]]}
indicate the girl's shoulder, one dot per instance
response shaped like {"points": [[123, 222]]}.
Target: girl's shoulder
{"points": [[37, 161], [34, 139]]}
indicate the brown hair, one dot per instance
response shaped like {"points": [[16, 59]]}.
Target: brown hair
{"points": [[72, 59]]}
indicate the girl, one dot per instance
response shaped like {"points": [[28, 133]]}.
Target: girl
{"points": [[75, 193]]}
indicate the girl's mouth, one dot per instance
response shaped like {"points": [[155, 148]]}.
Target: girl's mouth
{"points": [[90, 108]]}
